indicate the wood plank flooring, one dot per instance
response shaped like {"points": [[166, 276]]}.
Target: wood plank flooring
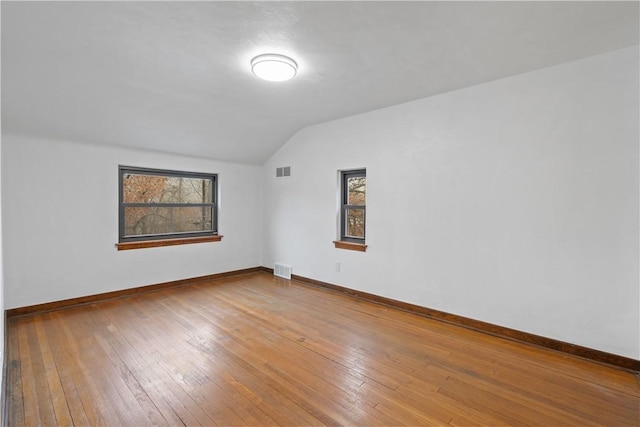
{"points": [[255, 350]]}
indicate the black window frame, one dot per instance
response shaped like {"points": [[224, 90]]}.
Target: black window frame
{"points": [[345, 175], [123, 170]]}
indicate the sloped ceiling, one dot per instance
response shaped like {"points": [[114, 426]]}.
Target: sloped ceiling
{"points": [[175, 77]]}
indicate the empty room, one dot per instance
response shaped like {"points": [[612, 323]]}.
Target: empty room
{"points": [[320, 213]]}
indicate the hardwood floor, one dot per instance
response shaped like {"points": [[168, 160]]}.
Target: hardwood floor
{"points": [[255, 350]]}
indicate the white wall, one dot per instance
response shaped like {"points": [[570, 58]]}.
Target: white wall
{"points": [[513, 202], [1, 275], [60, 213]]}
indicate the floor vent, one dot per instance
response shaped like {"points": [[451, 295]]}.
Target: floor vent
{"points": [[282, 270]]}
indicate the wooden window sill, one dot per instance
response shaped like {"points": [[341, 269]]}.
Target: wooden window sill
{"points": [[350, 246], [139, 244]]}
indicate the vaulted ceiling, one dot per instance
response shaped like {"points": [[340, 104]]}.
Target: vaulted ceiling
{"points": [[175, 76]]}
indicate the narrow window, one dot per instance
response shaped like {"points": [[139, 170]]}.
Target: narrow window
{"points": [[162, 204], [354, 206]]}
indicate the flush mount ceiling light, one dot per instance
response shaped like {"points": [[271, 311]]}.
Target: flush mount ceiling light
{"points": [[274, 67]]}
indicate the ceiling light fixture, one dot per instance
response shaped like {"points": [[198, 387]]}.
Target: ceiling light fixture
{"points": [[274, 67]]}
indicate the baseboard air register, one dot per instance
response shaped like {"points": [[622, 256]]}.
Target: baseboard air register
{"points": [[282, 270]]}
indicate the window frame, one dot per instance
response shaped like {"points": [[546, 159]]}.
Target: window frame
{"points": [[165, 239], [344, 206]]}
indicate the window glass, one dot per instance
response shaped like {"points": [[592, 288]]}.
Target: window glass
{"points": [[355, 223], [140, 188], [357, 187]]}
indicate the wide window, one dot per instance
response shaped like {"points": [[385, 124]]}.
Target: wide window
{"points": [[354, 206], [161, 204]]}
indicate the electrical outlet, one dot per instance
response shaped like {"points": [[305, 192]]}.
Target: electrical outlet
{"points": [[337, 267]]}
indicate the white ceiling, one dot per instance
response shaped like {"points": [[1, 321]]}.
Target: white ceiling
{"points": [[174, 76]]}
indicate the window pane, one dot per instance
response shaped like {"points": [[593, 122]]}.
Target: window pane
{"points": [[138, 188], [357, 190], [187, 190], [354, 223], [191, 219], [143, 188], [155, 220], [151, 220]]}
